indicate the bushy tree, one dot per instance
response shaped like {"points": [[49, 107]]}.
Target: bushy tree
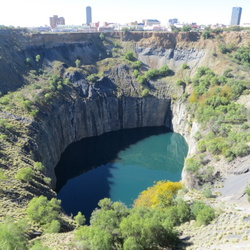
{"points": [[24, 174], [12, 235], [160, 195], [43, 211], [78, 63], [137, 64], [142, 228], [38, 57], [92, 78], [202, 213], [39, 166], [79, 219], [129, 56]]}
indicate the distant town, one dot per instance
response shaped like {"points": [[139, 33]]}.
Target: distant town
{"points": [[58, 24]]}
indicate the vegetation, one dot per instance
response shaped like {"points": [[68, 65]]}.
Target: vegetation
{"points": [[12, 235], [152, 74], [78, 63], [248, 192], [129, 56], [148, 225], [45, 213], [39, 166], [213, 102], [92, 78], [24, 174], [160, 195]]}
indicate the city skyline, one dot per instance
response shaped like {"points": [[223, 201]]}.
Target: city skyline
{"points": [[29, 13]]}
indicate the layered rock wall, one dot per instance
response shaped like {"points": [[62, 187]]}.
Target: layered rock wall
{"points": [[68, 122]]}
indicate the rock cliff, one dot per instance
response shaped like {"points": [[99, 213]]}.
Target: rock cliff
{"points": [[97, 111]]}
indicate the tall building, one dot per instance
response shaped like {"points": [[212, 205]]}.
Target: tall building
{"points": [[88, 15], [236, 15], [55, 20]]}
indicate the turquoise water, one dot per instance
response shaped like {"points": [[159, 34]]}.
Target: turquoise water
{"points": [[118, 165]]}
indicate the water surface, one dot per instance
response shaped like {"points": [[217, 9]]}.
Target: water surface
{"points": [[118, 165]]}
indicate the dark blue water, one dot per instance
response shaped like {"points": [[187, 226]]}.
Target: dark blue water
{"points": [[118, 165]]}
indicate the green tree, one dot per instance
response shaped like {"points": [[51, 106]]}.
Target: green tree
{"points": [[38, 246], [79, 219], [43, 211], [137, 64], [38, 57], [102, 36], [78, 63], [129, 56], [186, 28], [24, 174], [12, 235], [28, 61], [206, 34], [184, 66], [145, 92], [248, 193], [52, 227], [39, 166], [92, 78], [144, 229]]}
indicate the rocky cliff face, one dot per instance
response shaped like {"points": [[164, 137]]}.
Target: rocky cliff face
{"points": [[92, 110]]}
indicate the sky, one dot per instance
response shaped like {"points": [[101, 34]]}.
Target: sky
{"points": [[31, 13]]}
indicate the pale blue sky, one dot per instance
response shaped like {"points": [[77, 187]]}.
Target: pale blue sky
{"points": [[37, 12]]}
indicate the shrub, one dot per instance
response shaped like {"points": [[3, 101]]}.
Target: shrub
{"points": [[160, 195], [137, 64], [145, 92], [248, 192], [102, 36], [52, 227], [79, 219], [38, 57], [28, 61], [136, 73], [43, 211], [152, 73], [39, 246], [92, 78], [184, 66], [141, 79], [12, 235], [24, 174], [205, 216], [47, 181], [192, 164], [164, 71], [129, 56], [180, 82], [207, 193], [78, 63], [206, 34], [39, 166]]}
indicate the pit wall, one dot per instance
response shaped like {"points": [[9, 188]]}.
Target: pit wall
{"points": [[72, 121]]}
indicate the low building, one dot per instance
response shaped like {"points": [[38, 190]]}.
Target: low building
{"points": [[151, 22]]}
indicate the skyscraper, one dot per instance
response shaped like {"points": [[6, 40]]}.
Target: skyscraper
{"points": [[236, 15], [88, 15]]}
